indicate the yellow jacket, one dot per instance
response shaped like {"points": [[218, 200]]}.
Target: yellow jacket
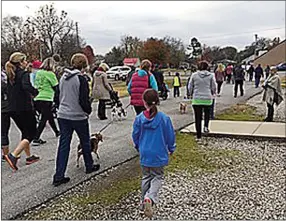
{"points": [[177, 82]]}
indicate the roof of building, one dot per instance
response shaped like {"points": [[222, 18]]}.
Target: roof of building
{"points": [[282, 42]]}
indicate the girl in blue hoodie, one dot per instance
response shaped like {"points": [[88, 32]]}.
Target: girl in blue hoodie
{"points": [[154, 138]]}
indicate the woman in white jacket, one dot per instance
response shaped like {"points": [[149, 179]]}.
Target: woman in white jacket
{"points": [[101, 89]]}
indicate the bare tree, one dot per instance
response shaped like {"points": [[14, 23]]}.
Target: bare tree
{"points": [[51, 27], [131, 46]]}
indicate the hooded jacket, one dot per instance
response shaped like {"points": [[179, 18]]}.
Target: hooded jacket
{"points": [[139, 82], [154, 139], [238, 74], [73, 96], [20, 92], [202, 87], [101, 88]]}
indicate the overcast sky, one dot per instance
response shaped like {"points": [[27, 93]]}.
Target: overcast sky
{"points": [[102, 23]]}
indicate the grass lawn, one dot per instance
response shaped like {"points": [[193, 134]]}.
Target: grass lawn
{"points": [[170, 82], [283, 82], [121, 88], [240, 112], [188, 156]]}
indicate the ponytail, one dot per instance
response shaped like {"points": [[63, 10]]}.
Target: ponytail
{"points": [[153, 110], [10, 70], [151, 97]]}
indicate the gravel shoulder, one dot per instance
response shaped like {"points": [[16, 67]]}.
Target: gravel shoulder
{"points": [[248, 185]]}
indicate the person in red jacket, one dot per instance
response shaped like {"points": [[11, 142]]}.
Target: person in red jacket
{"points": [[140, 81]]}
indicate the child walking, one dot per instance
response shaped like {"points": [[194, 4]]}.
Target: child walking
{"points": [[177, 84], [154, 138]]}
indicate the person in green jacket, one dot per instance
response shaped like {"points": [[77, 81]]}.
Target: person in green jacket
{"points": [[177, 85], [47, 83]]}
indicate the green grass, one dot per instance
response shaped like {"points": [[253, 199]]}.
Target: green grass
{"points": [[188, 157], [283, 82], [240, 112], [121, 88], [170, 82]]}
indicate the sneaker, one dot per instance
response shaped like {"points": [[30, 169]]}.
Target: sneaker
{"points": [[94, 168], [12, 161], [61, 181], [38, 142], [199, 141], [206, 130], [148, 211], [32, 159]]}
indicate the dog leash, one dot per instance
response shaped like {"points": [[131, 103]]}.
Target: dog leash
{"points": [[102, 129], [107, 125]]}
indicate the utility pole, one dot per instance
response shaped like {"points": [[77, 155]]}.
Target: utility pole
{"points": [[256, 48], [77, 38]]}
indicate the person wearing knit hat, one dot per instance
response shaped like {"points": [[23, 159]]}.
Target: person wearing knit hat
{"points": [[74, 109], [35, 67], [101, 89]]}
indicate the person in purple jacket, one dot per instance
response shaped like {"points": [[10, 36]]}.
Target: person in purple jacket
{"points": [[154, 138]]}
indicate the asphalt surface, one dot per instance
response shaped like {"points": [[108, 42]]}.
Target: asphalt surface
{"points": [[32, 185]]}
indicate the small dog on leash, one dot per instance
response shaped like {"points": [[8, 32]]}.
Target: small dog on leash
{"points": [[94, 140], [183, 108], [118, 112]]}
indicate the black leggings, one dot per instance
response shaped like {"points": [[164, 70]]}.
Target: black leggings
{"points": [[26, 122], [176, 91], [219, 84], [45, 109], [198, 109], [101, 111], [5, 126]]}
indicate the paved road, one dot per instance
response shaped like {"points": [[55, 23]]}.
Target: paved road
{"points": [[31, 185]]}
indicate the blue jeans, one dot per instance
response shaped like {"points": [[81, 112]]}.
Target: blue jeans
{"points": [[257, 81], [212, 110], [67, 127]]}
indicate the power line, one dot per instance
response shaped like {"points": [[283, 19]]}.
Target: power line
{"points": [[250, 32]]}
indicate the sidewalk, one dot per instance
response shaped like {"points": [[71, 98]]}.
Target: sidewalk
{"points": [[244, 128]]}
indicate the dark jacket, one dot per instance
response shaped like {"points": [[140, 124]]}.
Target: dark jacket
{"points": [[238, 74], [21, 92], [251, 70], [258, 72], [73, 97], [4, 94], [159, 78]]}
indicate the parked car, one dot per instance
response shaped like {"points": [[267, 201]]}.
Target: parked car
{"points": [[281, 67], [118, 72]]}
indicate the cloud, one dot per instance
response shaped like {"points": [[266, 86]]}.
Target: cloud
{"points": [[214, 23]]}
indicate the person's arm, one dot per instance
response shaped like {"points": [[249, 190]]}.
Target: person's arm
{"points": [[136, 133], [84, 100], [170, 135], [129, 86], [153, 82], [213, 86], [105, 83], [27, 86], [191, 86]]}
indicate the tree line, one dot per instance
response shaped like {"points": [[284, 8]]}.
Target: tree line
{"points": [[51, 32]]}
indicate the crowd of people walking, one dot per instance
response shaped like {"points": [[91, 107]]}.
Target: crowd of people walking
{"points": [[32, 94]]}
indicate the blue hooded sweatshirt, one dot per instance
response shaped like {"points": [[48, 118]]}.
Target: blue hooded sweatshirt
{"points": [[141, 73], [154, 139]]}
